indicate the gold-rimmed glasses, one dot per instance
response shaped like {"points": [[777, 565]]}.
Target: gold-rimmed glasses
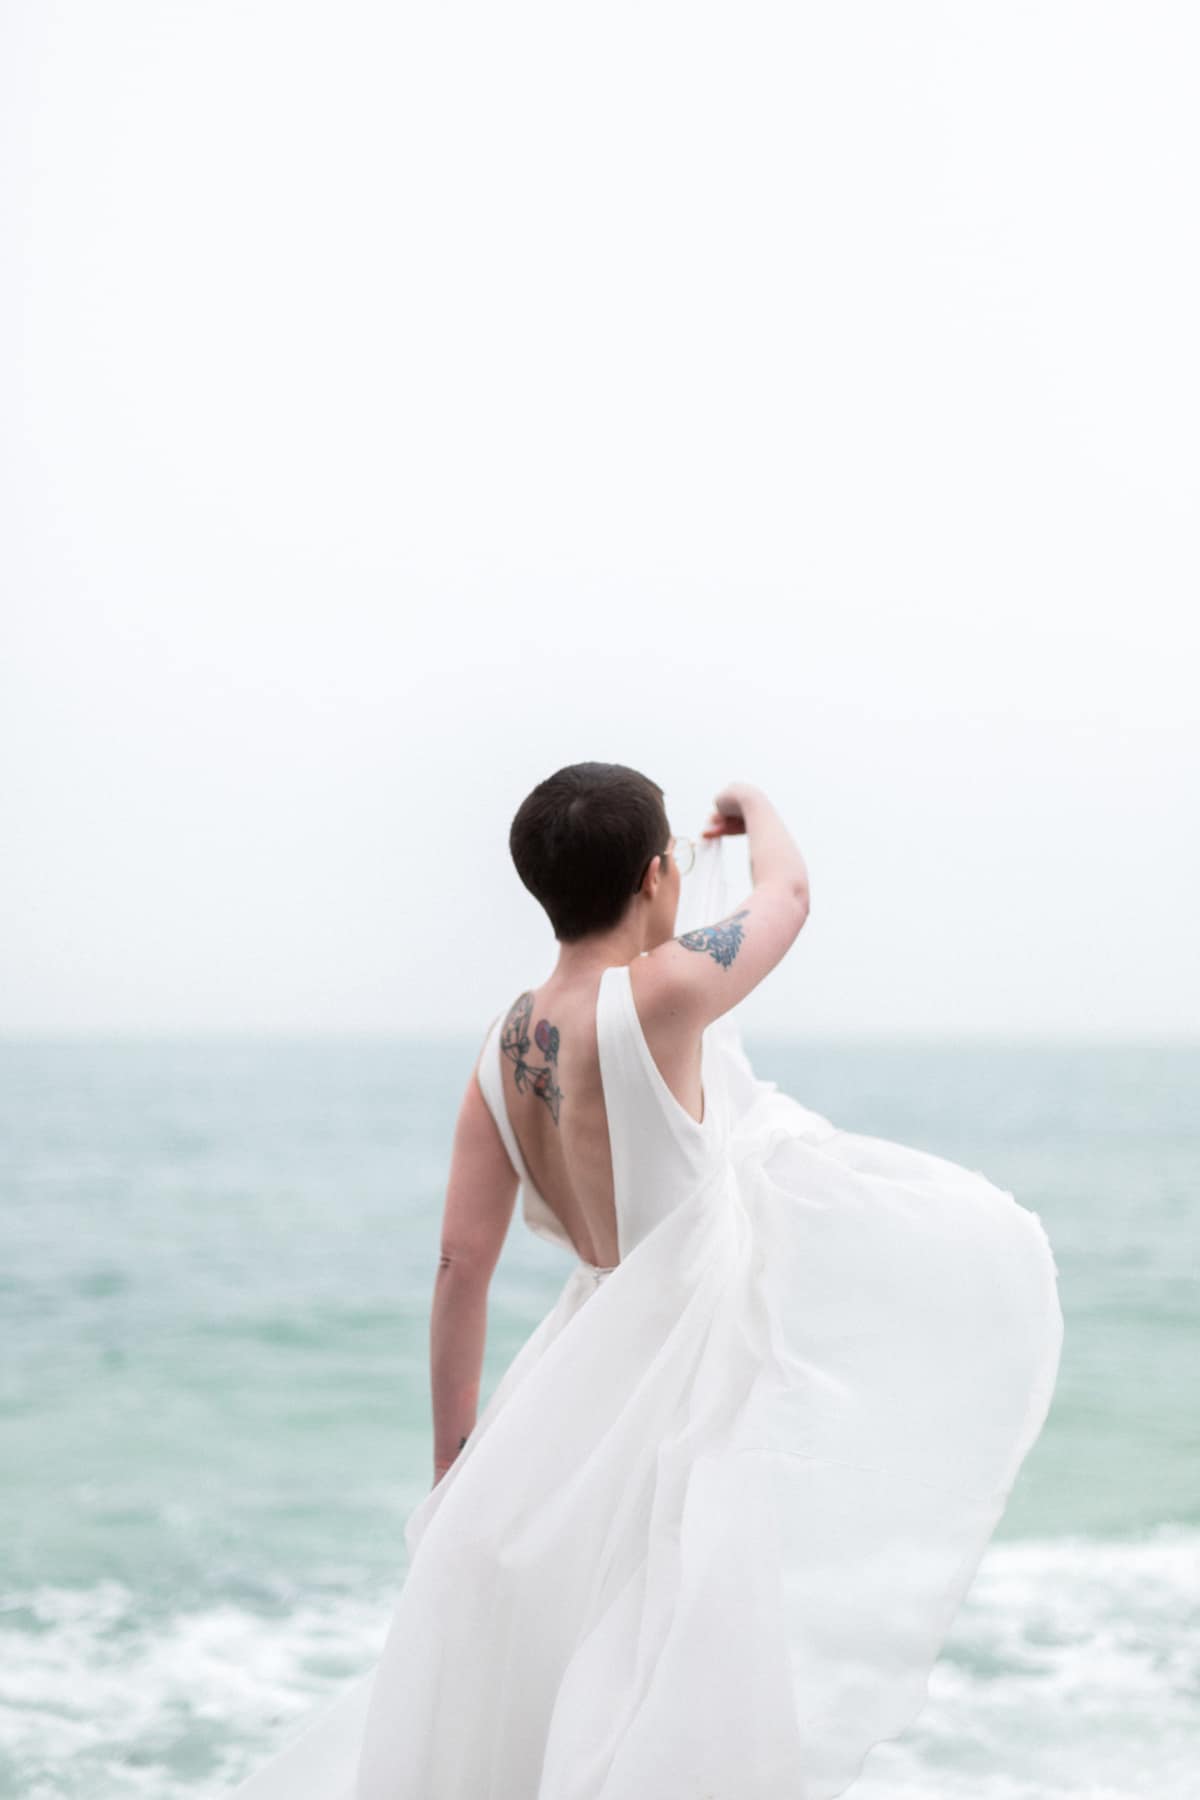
{"points": [[685, 855], [684, 850]]}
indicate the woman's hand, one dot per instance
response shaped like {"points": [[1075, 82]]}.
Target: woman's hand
{"points": [[728, 817]]}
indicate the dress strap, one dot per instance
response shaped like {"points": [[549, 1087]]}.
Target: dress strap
{"points": [[659, 1153]]}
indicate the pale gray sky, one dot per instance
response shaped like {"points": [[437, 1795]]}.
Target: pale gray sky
{"points": [[404, 401]]}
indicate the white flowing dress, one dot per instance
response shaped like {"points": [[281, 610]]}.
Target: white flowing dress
{"points": [[713, 1525]]}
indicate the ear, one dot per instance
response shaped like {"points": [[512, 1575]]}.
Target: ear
{"points": [[654, 875]]}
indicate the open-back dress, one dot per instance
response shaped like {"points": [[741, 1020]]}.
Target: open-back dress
{"points": [[713, 1524]]}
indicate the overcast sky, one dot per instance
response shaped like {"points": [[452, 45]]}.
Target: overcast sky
{"points": [[405, 400]]}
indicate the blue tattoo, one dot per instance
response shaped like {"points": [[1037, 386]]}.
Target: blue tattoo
{"points": [[722, 941]]}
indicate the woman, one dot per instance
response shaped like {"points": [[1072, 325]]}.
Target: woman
{"points": [[709, 1532]]}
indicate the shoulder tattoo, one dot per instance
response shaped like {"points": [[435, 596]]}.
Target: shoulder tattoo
{"points": [[538, 1078], [722, 941]]}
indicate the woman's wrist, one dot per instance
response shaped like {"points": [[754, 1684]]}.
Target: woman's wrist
{"points": [[440, 1467]]}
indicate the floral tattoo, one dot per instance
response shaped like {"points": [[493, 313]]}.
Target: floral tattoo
{"points": [[515, 1043]]}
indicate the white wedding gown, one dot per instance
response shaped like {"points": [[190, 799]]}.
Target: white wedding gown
{"points": [[712, 1527]]}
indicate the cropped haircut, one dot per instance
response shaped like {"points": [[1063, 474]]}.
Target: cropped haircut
{"points": [[583, 840]]}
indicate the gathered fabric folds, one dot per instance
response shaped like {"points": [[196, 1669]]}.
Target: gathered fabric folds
{"points": [[714, 1523]]}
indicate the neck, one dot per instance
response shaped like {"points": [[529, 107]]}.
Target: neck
{"points": [[602, 950]]}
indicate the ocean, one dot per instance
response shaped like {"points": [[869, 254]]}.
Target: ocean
{"points": [[217, 1263]]}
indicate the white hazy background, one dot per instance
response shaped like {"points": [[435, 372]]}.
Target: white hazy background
{"points": [[402, 401]]}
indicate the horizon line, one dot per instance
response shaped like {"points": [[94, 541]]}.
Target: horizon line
{"points": [[1132, 1038]]}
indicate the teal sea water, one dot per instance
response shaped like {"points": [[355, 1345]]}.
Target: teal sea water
{"points": [[217, 1264]]}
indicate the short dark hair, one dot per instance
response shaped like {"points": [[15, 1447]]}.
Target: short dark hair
{"points": [[583, 840]]}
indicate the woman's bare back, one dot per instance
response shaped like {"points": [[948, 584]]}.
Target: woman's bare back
{"points": [[554, 1095]]}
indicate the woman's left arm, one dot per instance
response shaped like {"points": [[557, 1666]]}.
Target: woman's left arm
{"points": [[481, 1191]]}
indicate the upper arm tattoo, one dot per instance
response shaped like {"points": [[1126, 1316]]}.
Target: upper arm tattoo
{"points": [[514, 1041], [722, 941]]}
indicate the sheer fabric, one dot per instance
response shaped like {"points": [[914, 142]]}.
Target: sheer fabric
{"points": [[713, 1524]]}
